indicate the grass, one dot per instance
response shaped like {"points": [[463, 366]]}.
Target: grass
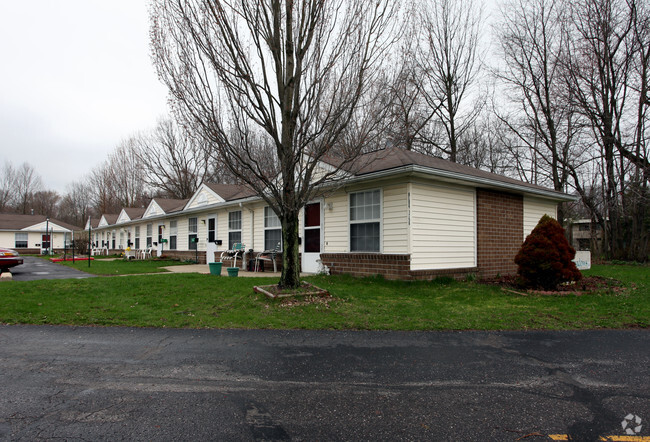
{"points": [[197, 301], [121, 266]]}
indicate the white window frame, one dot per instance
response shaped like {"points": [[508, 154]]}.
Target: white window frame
{"points": [[269, 214], [235, 230], [173, 233], [379, 220], [24, 235], [149, 237], [192, 231], [136, 241]]}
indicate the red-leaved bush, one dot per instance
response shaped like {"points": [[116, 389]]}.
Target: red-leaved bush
{"points": [[545, 258]]}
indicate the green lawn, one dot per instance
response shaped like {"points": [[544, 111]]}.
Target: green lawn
{"points": [[196, 301], [121, 266]]}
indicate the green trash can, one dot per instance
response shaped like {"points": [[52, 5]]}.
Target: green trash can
{"points": [[233, 271], [215, 268]]}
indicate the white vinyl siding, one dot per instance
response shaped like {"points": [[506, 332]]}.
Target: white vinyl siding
{"points": [[534, 209], [443, 227], [395, 219], [204, 197], [336, 223]]}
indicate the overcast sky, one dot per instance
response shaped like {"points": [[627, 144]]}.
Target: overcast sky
{"points": [[75, 79]]}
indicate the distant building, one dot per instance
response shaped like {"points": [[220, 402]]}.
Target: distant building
{"points": [[586, 235], [34, 233]]}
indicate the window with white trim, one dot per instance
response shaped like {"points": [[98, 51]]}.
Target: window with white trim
{"points": [[234, 228], [21, 240], [173, 233], [137, 237], [193, 230], [365, 221], [149, 234], [272, 229]]}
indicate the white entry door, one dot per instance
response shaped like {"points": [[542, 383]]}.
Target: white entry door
{"points": [[312, 238], [211, 247]]}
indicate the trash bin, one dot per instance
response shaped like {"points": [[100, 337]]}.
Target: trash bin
{"points": [[233, 271], [215, 268]]}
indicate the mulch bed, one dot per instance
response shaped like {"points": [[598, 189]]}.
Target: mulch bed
{"points": [[588, 284], [307, 294], [305, 289]]}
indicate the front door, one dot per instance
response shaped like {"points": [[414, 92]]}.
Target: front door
{"points": [[211, 246], [312, 237], [45, 243]]}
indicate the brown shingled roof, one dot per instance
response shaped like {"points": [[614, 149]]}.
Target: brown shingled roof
{"points": [[134, 212], [170, 205], [111, 218], [394, 157], [14, 221], [231, 192]]}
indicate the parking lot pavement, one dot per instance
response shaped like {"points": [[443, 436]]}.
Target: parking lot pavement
{"points": [[97, 383], [34, 269]]}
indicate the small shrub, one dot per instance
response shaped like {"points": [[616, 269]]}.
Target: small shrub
{"points": [[545, 258]]}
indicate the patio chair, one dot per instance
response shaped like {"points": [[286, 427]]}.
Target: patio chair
{"points": [[232, 254], [268, 255]]}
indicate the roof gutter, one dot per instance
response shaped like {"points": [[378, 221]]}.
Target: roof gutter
{"points": [[480, 181]]}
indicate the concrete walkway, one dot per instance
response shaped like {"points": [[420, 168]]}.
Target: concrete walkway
{"points": [[205, 270]]}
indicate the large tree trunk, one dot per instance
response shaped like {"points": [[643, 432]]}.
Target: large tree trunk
{"points": [[291, 256]]}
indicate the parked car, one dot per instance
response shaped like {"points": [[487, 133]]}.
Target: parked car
{"points": [[9, 258]]}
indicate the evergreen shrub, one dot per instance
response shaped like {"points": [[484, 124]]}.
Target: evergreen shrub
{"points": [[545, 259]]}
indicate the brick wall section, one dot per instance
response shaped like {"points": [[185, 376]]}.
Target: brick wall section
{"points": [[389, 266], [500, 231], [183, 255], [368, 264]]}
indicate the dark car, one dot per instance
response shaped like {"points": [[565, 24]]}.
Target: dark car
{"points": [[9, 258]]}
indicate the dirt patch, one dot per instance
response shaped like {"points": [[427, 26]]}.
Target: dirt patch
{"points": [[588, 284]]}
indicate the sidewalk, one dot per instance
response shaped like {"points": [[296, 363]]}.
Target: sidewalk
{"points": [[205, 270]]}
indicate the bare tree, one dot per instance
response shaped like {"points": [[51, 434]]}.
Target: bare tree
{"points": [[7, 184], [448, 67], [45, 202], [173, 163], [26, 183], [605, 65], [75, 206], [118, 181], [279, 77], [532, 36]]}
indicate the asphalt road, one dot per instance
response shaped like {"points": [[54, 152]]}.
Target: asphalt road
{"points": [[156, 384], [34, 268]]}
